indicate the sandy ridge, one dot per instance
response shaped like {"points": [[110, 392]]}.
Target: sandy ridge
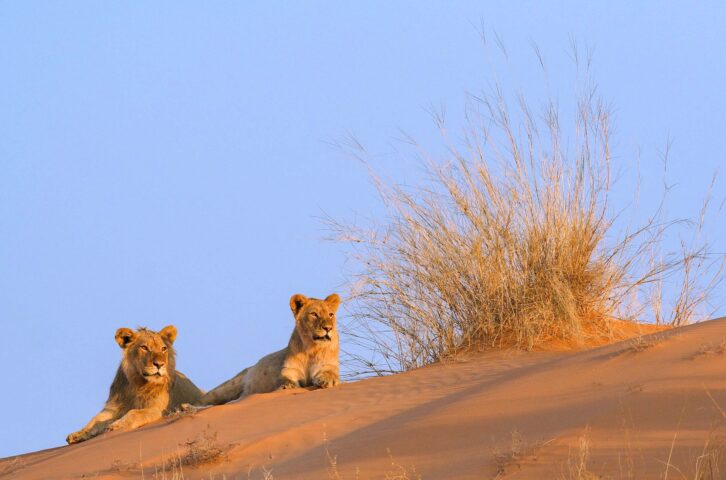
{"points": [[456, 420]]}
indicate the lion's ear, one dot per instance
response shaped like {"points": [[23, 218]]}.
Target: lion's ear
{"points": [[169, 332], [333, 300], [124, 336], [297, 302]]}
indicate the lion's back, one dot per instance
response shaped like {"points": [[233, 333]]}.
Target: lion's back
{"points": [[265, 376]]}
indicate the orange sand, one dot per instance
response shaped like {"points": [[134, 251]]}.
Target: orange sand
{"points": [[640, 405]]}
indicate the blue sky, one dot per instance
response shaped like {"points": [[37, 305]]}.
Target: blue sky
{"points": [[168, 162]]}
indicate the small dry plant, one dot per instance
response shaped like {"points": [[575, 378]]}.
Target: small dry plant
{"points": [[513, 243], [396, 472], [204, 449], [400, 472], [709, 349], [642, 343], [519, 450], [119, 465], [333, 473], [706, 466], [265, 473], [577, 464], [710, 461], [11, 466]]}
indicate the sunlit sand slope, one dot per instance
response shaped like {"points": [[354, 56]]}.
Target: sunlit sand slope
{"points": [[635, 409]]}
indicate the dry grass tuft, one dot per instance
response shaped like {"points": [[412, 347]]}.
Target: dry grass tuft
{"points": [[710, 461], [642, 343], [333, 473], [709, 349], [11, 465], [396, 471], [510, 456], [577, 464], [399, 472], [518, 452], [119, 465], [202, 450], [513, 244]]}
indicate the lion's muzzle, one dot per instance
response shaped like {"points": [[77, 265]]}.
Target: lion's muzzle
{"points": [[323, 336], [154, 372]]}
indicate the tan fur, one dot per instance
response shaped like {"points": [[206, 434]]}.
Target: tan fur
{"points": [[310, 359], [146, 385]]}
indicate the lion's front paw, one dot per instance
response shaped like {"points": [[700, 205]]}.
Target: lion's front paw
{"points": [[76, 437], [116, 426], [326, 380], [289, 384]]}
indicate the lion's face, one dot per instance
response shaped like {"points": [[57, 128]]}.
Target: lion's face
{"points": [[148, 355], [315, 319]]}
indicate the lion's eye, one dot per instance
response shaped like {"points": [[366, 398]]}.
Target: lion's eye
{"points": [[144, 348], [331, 315], [163, 349], [314, 314]]}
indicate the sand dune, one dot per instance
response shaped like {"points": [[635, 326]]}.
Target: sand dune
{"points": [[647, 407]]}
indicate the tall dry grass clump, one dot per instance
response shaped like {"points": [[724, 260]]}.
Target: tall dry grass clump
{"points": [[512, 244]]}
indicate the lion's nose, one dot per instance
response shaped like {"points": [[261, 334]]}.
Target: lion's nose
{"points": [[327, 328], [158, 363]]}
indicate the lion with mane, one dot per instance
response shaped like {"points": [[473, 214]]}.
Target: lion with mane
{"points": [[309, 360], [146, 385]]}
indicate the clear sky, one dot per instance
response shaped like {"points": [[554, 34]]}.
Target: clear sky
{"points": [[168, 162]]}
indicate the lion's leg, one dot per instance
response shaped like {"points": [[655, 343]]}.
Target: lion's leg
{"points": [[327, 376], [292, 377], [136, 418], [189, 408], [96, 426]]}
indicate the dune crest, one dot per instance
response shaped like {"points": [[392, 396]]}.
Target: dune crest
{"points": [[626, 410]]}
